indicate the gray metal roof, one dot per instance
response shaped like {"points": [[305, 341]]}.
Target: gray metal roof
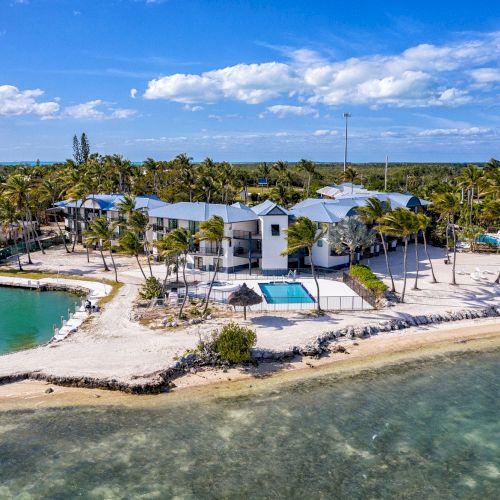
{"points": [[200, 211], [111, 201], [269, 207], [325, 211]]}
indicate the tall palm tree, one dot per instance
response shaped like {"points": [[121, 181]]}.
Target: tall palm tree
{"points": [[138, 222], [179, 241], [447, 205], [309, 168], [50, 191], [304, 233], [350, 234], [471, 180], [282, 171], [9, 220], [212, 230], [350, 175], [17, 189], [400, 223], [101, 232], [281, 194], [130, 243], [373, 212], [126, 207], [423, 224]]}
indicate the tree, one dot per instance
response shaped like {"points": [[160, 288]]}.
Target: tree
{"points": [[423, 224], [77, 152], [304, 233], [282, 171], [8, 221], [101, 232], [350, 234], [281, 194], [130, 243], [179, 241], [138, 222], [212, 230], [309, 168], [85, 148], [470, 180], [400, 223], [447, 205], [373, 212], [350, 175]]}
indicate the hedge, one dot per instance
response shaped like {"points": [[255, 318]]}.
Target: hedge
{"points": [[367, 278]]}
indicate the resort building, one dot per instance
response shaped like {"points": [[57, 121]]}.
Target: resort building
{"points": [[254, 236], [79, 213]]}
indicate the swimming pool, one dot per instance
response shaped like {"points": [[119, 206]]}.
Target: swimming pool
{"points": [[285, 293], [489, 238]]}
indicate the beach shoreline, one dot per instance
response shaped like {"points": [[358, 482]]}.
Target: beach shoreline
{"points": [[370, 354]]}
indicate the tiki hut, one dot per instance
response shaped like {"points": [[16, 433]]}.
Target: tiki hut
{"points": [[244, 297]]}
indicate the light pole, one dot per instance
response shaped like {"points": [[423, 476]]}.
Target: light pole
{"points": [[346, 116]]}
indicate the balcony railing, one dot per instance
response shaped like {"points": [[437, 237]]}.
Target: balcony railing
{"points": [[246, 235], [208, 251], [245, 252]]}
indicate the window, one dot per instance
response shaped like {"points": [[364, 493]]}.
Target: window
{"points": [[320, 243], [275, 229], [194, 226], [173, 223]]}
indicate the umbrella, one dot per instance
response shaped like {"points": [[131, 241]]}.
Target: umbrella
{"points": [[244, 297]]}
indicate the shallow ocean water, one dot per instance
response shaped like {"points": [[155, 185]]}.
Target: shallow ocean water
{"points": [[27, 317], [421, 430]]}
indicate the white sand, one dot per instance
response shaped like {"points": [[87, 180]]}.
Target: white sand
{"points": [[114, 347]]}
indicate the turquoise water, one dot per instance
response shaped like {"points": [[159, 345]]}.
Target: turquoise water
{"points": [[27, 317], [421, 431], [486, 238], [285, 293]]}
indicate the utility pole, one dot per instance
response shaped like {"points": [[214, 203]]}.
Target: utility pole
{"points": [[385, 172], [346, 116]]}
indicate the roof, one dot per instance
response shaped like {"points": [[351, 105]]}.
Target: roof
{"points": [[325, 211], [200, 211], [269, 207], [111, 201]]}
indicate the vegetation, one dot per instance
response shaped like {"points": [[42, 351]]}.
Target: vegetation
{"points": [[233, 343], [151, 289], [367, 278], [304, 233]]}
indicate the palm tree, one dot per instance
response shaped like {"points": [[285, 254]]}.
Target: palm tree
{"points": [[309, 168], [280, 194], [16, 189], [448, 205], [373, 213], [179, 241], [350, 175], [50, 190], [304, 233], [130, 243], [127, 206], [423, 224], [400, 223], [282, 171], [212, 230], [138, 222], [350, 234], [8, 220], [101, 232], [416, 230], [470, 179]]}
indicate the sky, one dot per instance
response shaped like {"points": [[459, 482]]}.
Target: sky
{"points": [[255, 80]]}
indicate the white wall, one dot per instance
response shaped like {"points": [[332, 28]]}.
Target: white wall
{"points": [[272, 246]]}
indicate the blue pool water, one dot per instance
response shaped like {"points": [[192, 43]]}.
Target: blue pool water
{"points": [[487, 238], [285, 293]]}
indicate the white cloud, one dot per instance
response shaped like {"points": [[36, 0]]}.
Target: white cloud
{"points": [[282, 110], [188, 107], [133, 93], [416, 77], [486, 75], [14, 102], [324, 132], [96, 110], [463, 132]]}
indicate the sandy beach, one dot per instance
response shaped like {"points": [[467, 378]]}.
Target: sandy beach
{"points": [[374, 353]]}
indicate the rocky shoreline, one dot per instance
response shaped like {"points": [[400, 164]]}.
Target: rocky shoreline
{"points": [[163, 380]]}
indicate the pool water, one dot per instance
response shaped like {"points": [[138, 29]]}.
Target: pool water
{"points": [[487, 238], [285, 293]]}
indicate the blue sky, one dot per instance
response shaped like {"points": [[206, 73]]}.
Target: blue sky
{"points": [[251, 80]]}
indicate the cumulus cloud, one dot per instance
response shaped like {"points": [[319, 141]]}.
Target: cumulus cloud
{"points": [[282, 110], [15, 102], [416, 77], [133, 93], [463, 132], [96, 110]]}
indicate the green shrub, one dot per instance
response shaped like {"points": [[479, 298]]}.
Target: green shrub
{"points": [[233, 343], [366, 277], [151, 289]]}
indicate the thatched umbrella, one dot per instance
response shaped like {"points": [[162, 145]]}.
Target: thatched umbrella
{"points": [[244, 297]]}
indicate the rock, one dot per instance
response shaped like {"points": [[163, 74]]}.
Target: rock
{"points": [[49, 390], [339, 348]]}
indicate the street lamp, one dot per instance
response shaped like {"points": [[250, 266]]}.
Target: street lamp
{"points": [[346, 116]]}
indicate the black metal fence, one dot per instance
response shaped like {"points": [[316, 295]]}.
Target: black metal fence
{"points": [[357, 287], [20, 247]]}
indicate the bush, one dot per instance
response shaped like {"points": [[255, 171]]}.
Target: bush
{"points": [[233, 343], [366, 277], [151, 289]]}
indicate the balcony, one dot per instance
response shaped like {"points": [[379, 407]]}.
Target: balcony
{"points": [[207, 251], [246, 235], [245, 252]]}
